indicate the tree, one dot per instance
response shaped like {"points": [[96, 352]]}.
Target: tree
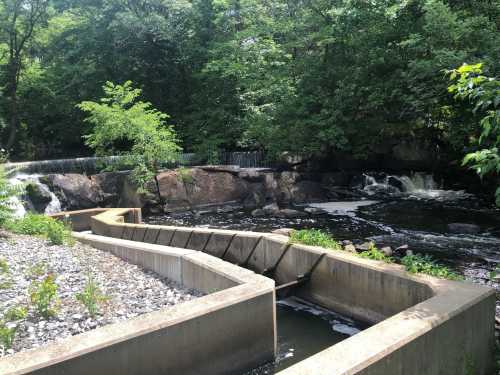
{"points": [[18, 21], [484, 94], [124, 125]]}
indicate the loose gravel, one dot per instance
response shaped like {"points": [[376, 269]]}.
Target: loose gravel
{"points": [[130, 290]]}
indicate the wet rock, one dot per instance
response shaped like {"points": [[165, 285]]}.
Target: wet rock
{"points": [[387, 251], [290, 214], [409, 253], [283, 231], [315, 211], [365, 246], [75, 191], [39, 195], [350, 248], [346, 242], [463, 228], [259, 212], [271, 209]]}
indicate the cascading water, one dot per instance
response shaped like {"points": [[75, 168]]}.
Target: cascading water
{"points": [[417, 185], [23, 204]]}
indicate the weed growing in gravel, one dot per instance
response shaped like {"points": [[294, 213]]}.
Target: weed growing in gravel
{"points": [[5, 277], [43, 295], [7, 335], [57, 232], [314, 237], [374, 253], [15, 313], [426, 264], [36, 270], [91, 296]]}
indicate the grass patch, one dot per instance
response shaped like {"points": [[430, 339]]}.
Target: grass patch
{"points": [[57, 232], [375, 254], [426, 264], [414, 263], [314, 237]]}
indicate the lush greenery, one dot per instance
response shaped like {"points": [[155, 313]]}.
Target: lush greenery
{"points": [[122, 125], [57, 232], [484, 94], [413, 263], [314, 237], [43, 296], [302, 76], [426, 264]]}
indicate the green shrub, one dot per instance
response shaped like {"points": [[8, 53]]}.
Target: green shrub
{"points": [[426, 264], [314, 237], [5, 276], [91, 296], [7, 335], [43, 295], [15, 313], [374, 253], [57, 232]]}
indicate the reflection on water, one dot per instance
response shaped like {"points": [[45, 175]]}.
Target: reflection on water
{"points": [[304, 330]]}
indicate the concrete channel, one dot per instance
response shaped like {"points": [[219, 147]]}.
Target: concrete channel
{"points": [[421, 325]]}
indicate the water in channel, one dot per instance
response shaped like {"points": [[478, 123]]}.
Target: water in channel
{"points": [[304, 330]]}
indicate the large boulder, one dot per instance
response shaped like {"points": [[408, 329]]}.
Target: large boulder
{"points": [[181, 189], [74, 191]]}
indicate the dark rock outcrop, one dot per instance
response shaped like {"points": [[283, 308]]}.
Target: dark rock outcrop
{"points": [[75, 191]]}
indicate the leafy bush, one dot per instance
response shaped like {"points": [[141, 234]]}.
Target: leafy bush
{"points": [[426, 264], [5, 276], [56, 231], [91, 296], [7, 335], [124, 125], [15, 313], [374, 253], [314, 237], [43, 295]]}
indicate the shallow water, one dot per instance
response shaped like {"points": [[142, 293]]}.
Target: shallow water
{"points": [[304, 330]]}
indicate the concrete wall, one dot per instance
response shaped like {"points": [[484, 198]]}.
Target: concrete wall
{"points": [[214, 334], [425, 326]]}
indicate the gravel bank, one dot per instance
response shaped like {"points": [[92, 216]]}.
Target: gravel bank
{"points": [[130, 291]]}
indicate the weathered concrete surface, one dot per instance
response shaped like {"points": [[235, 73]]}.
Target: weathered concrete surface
{"points": [[214, 334], [424, 325]]}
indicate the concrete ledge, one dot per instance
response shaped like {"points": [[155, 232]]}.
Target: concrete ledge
{"points": [[423, 325], [215, 334]]}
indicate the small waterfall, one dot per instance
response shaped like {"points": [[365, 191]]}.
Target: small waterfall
{"points": [[22, 204], [417, 185]]}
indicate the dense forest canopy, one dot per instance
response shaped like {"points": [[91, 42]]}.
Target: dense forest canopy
{"points": [[300, 76]]}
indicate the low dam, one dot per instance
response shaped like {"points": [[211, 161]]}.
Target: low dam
{"points": [[419, 324]]}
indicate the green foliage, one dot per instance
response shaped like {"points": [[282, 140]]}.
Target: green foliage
{"points": [[484, 94], [56, 231], [427, 265], [5, 276], [15, 313], [43, 295], [7, 335], [91, 296], [185, 175], [7, 193], [374, 253], [36, 270], [314, 237], [124, 125]]}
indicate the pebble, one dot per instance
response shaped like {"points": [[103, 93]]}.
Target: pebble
{"points": [[130, 290]]}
